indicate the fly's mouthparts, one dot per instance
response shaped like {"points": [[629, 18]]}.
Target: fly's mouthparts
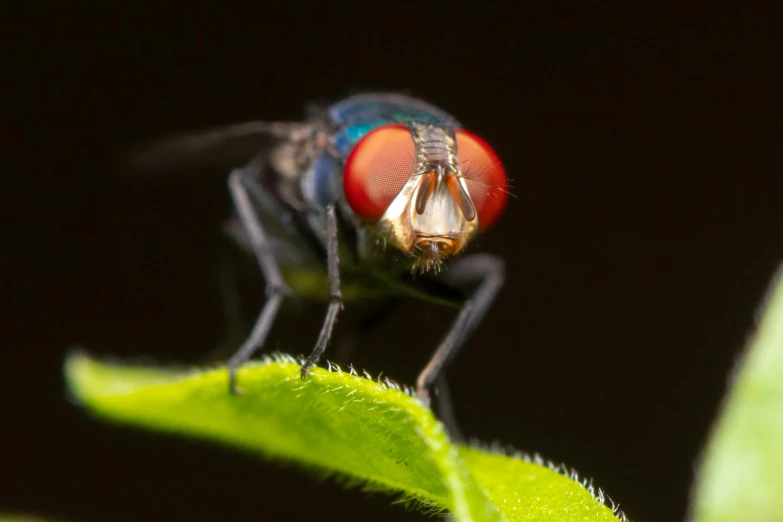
{"points": [[431, 255], [436, 237], [442, 246]]}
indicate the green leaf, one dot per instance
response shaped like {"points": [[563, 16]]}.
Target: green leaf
{"points": [[528, 489], [338, 423], [741, 477]]}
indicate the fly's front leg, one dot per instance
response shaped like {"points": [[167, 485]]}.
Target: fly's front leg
{"points": [[489, 272], [335, 294], [276, 289]]}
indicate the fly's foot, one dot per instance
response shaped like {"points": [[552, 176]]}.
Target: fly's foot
{"points": [[233, 389], [423, 394], [305, 372]]}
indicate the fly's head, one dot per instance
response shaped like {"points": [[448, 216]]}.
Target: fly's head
{"points": [[426, 190]]}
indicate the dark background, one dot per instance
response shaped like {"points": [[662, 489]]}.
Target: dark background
{"points": [[644, 149]]}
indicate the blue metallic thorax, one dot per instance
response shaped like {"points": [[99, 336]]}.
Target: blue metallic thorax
{"points": [[353, 118], [358, 115]]}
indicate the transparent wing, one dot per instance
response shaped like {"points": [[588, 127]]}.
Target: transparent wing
{"points": [[219, 147]]}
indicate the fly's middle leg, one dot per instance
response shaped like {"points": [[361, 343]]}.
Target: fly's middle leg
{"points": [[488, 272], [276, 288], [335, 293]]}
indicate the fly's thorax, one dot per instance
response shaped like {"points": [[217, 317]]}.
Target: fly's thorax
{"points": [[432, 216]]}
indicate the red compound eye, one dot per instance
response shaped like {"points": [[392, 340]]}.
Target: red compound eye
{"points": [[376, 170], [484, 176]]}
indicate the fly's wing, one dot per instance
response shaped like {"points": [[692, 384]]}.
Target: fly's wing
{"points": [[222, 149], [219, 147]]}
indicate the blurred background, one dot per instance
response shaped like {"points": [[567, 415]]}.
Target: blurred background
{"points": [[646, 224]]}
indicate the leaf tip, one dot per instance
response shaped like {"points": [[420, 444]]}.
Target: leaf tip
{"points": [[76, 370]]}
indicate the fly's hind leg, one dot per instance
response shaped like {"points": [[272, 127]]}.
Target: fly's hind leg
{"points": [[488, 272], [276, 289], [445, 408]]}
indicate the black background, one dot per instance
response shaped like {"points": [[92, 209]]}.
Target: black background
{"points": [[644, 149]]}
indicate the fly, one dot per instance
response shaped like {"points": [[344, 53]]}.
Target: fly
{"points": [[377, 192]]}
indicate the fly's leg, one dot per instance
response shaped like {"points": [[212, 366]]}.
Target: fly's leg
{"points": [[446, 409], [276, 288], [489, 272], [227, 283], [335, 294]]}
